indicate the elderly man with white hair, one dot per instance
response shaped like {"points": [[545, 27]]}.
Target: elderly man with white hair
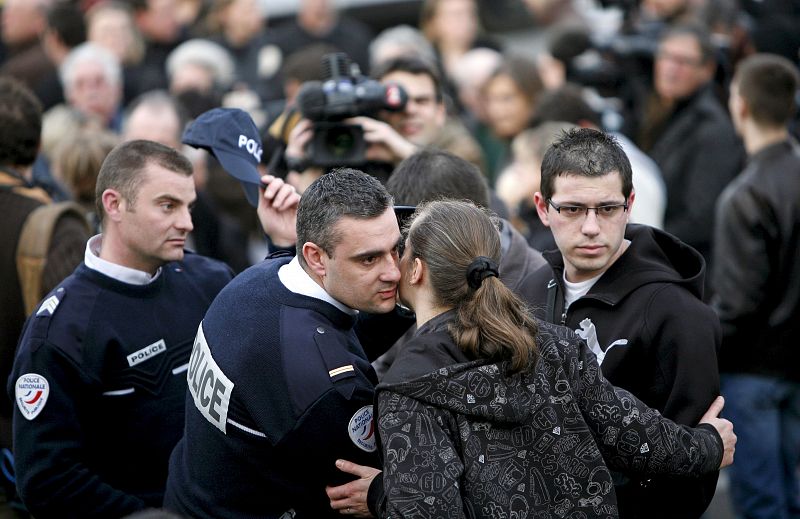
{"points": [[199, 65], [92, 81]]}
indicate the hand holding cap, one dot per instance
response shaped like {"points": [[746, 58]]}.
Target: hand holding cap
{"points": [[232, 137]]}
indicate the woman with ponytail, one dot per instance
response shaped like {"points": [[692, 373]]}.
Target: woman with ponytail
{"points": [[488, 412]]}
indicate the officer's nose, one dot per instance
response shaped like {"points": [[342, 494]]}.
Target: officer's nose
{"points": [[184, 222], [392, 272]]}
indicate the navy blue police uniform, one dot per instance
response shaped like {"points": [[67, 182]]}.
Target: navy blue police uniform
{"points": [[279, 388], [99, 383]]}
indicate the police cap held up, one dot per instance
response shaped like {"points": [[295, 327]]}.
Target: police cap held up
{"points": [[232, 137]]}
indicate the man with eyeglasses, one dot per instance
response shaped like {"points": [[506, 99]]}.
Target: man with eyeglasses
{"points": [[634, 294]]}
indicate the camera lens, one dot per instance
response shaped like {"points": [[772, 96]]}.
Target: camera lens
{"points": [[336, 144], [340, 141]]}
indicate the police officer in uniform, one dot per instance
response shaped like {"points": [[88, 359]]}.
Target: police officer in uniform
{"points": [[279, 385], [98, 377]]}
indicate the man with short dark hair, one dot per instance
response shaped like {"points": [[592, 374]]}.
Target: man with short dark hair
{"points": [[634, 294], [757, 291], [568, 104], [98, 381], [279, 385]]}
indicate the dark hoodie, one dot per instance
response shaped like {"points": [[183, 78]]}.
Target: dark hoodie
{"points": [[517, 260], [464, 438], [650, 297]]}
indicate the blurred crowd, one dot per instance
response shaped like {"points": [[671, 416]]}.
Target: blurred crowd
{"points": [[116, 70], [654, 73]]}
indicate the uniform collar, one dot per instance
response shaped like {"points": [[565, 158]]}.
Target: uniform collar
{"points": [[297, 280], [127, 275]]}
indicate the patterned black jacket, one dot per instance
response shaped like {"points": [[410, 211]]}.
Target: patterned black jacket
{"points": [[463, 438]]}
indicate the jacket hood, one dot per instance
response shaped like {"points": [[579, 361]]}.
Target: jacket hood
{"points": [[479, 389], [654, 256], [518, 260], [434, 371]]}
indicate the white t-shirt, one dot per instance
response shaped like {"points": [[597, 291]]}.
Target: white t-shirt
{"points": [[575, 291]]}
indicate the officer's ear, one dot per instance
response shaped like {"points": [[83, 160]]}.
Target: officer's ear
{"points": [[113, 204], [315, 258]]}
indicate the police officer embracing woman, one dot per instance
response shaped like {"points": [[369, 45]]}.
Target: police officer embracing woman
{"points": [[489, 412]]}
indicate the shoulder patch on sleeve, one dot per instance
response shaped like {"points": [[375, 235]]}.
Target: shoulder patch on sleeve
{"points": [[362, 429], [31, 391], [211, 390]]}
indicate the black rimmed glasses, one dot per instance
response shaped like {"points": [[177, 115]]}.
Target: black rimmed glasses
{"points": [[602, 212]]}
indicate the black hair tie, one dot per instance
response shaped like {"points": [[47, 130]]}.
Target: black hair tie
{"points": [[480, 269]]}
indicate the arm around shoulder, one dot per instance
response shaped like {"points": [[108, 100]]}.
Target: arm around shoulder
{"points": [[636, 439]]}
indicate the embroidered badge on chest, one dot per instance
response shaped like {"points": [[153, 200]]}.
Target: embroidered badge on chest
{"points": [[147, 353], [31, 392], [362, 429]]}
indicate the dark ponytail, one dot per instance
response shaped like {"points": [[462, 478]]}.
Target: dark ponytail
{"points": [[460, 245]]}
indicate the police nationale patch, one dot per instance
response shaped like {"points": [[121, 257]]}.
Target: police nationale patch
{"points": [[362, 429], [31, 393]]}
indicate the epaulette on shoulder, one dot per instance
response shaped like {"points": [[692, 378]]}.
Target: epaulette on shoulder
{"points": [[281, 253], [42, 316], [322, 360]]}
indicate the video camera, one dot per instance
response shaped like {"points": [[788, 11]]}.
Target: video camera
{"points": [[345, 93]]}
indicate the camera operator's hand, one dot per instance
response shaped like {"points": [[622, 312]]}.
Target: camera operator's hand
{"points": [[296, 153], [299, 138], [277, 210], [385, 144]]}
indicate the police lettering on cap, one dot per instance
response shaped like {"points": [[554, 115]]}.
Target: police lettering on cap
{"points": [[252, 147], [232, 137]]}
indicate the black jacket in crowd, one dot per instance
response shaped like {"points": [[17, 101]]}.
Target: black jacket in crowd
{"points": [[645, 320], [757, 265], [699, 154], [465, 438]]}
